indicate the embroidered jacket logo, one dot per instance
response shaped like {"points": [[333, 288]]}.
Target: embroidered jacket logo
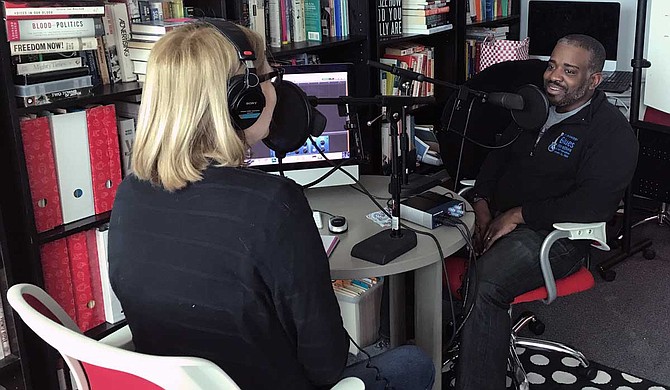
{"points": [[563, 145]]}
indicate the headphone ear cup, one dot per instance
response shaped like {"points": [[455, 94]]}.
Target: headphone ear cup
{"points": [[245, 104]]}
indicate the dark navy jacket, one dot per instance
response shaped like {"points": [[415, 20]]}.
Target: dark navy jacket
{"points": [[577, 172]]}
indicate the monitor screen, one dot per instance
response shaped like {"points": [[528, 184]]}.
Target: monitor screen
{"points": [[545, 22], [320, 80]]}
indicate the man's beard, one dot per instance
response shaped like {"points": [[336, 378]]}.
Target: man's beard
{"points": [[569, 97]]}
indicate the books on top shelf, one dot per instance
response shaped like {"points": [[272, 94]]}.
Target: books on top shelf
{"points": [[485, 10], [62, 50]]}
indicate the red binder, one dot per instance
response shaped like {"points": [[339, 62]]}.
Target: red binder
{"points": [[105, 157], [96, 281], [39, 157], [656, 116], [56, 272], [80, 271]]}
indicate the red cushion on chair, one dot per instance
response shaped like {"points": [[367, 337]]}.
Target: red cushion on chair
{"points": [[581, 280], [100, 378]]}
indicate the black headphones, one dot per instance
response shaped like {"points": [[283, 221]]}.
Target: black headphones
{"points": [[245, 96]]}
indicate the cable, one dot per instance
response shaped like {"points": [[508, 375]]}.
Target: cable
{"points": [[465, 129], [324, 212], [378, 376], [450, 221]]}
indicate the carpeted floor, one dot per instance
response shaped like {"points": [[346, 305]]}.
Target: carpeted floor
{"points": [[623, 324], [556, 371]]}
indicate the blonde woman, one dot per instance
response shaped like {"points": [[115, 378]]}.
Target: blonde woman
{"points": [[210, 258]]}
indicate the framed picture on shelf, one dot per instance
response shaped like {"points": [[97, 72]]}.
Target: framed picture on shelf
{"points": [[389, 18]]}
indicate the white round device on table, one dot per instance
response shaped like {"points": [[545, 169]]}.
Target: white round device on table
{"points": [[337, 224]]}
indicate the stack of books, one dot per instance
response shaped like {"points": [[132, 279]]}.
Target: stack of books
{"points": [[426, 16], [408, 55], [62, 50], [144, 37]]}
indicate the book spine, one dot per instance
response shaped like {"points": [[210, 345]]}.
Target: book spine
{"points": [[49, 66], [52, 46], [53, 97], [4, 336], [18, 30], [121, 38], [145, 11], [274, 16], [313, 20], [156, 10], [126, 129], [19, 10], [298, 21], [93, 66]]}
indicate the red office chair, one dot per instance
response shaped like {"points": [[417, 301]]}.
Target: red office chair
{"points": [[577, 282], [105, 364]]}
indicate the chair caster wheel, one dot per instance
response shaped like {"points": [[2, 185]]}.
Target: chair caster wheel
{"points": [[589, 372], [608, 275], [537, 327], [649, 254]]}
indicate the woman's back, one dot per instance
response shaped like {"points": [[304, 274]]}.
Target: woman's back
{"points": [[231, 269]]}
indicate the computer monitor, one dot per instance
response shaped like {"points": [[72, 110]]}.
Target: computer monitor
{"points": [[610, 22], [306, 164]]}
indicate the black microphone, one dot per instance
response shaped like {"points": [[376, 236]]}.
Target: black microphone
{"points": [[510, 101], [408, 74]]}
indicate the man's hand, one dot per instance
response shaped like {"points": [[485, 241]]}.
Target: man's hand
{"points": [[503, 224], [482, 221]]}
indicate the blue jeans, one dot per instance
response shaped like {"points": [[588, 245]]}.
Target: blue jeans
{"points": [[406, 368], [509, 268]]}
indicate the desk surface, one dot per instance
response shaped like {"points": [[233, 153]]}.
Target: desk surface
{"points": [[354, 205]]}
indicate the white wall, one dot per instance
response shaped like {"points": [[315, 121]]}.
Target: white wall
{"points": [[626, 29], [658, 77]]}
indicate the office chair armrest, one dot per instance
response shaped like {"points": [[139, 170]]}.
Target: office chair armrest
{"points": [[573, 231], [467, 184], [351, 383], [121, 338]]}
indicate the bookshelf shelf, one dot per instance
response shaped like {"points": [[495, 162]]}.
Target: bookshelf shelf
{"points": [[10, 362], [326, 43], [74, 227], [104, 329], [409, 37], [101, 93], [499, 21]]}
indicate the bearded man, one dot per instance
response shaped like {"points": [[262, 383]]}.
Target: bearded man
{"points": [[574, 170]]}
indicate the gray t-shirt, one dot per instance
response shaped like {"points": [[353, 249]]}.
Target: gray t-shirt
{"points": [[555, 117]]}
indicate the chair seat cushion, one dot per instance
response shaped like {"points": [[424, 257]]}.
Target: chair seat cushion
{"points": [[581, 280]]}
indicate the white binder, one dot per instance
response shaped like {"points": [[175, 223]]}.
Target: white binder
{"points": [[113, 310], [73, 165]]}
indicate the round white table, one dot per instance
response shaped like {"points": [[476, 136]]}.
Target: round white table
{"points": [[424, 260]]}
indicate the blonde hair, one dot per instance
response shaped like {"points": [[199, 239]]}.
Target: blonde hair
{"points": [[183, 123]]}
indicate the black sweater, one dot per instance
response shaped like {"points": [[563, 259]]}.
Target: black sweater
{"points": [[577, 172], [230, 269]]}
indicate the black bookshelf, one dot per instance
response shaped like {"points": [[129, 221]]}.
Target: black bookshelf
{"points": [[495, 22], [81, 225], [104, 330], [101, 93], [326, 43], [411, 37]]}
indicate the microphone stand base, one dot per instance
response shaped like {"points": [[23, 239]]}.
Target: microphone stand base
{"points": [[385, 246]]}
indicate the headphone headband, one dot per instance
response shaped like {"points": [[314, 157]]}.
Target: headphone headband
{"points": [[245, 52]]}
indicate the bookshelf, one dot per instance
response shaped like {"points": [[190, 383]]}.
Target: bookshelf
{"points": [[33, 364]]}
